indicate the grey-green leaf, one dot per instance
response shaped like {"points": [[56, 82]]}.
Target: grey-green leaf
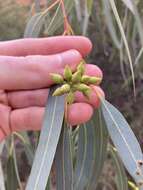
{"points": [[34, 26], [129, 4], [92, 146], [89, 4], [124, 140], [63, 161], [12, 182], [2, 186], [80, 179], [49, 138], [110, 24], [100, 149], [57, 20], [29, 150], [121, 177]]}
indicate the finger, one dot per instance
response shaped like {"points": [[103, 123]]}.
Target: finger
{"points": [[31, 118], [93, 98], [79, 113], [33, 72], [3, 97], [4, 121], [22, 99], [93, 70], [45, 46]]}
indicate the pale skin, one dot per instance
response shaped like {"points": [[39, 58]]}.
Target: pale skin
{"points": [[25, 67]]}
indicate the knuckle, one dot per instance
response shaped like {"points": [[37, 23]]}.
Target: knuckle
{"points": [[30, 100], [32, 63], [3, 97], [59, 59], [37, 67], [26, 118]]}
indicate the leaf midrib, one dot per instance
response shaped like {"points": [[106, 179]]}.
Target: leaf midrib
{"points": [[130, 151], [47, 144]]}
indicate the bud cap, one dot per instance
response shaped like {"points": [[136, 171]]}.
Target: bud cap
{"points": [[67, 73]]}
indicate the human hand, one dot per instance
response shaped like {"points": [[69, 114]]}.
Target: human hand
{"points": [[25, 67]]}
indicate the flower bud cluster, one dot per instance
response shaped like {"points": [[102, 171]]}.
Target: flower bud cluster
{"points": [[72, 82]]}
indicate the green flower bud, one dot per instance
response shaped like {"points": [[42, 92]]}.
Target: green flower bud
{"points": [[65, 88], [62, 90], [70, 98], [58, 79], [67, 73], [58, 92], [87, 93], [95, 80], [82, 62], [85, 79], [76, 77], [82, 87], [81, 68]]}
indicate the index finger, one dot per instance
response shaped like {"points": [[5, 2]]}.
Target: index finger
{"points": [[45, 46]]}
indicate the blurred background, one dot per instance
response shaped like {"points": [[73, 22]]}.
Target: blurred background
{"points": [[97, 21]]}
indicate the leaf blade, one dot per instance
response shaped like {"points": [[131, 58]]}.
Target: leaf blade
{"points": [[90, 137], [63, 161], [45, 153], [34, 25], [12, 182], [129, 4], [119, 23], [101, 144], [122, 180], [123, 139], [2, 184]]}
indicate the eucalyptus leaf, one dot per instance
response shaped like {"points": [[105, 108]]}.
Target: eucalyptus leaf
{"points": [[80, 177], [85, 21], [100, 150], [129, 4], [29, 150], [132, 6], [121, 177], [48, 186], [124, 140], [34, 25], [2, 183], [16, 164], [110, 24], [121, 29], [89, 4], [92, 148], [2, 186], [11, 182], [63, 161], [49, 138], [57, 19]]}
